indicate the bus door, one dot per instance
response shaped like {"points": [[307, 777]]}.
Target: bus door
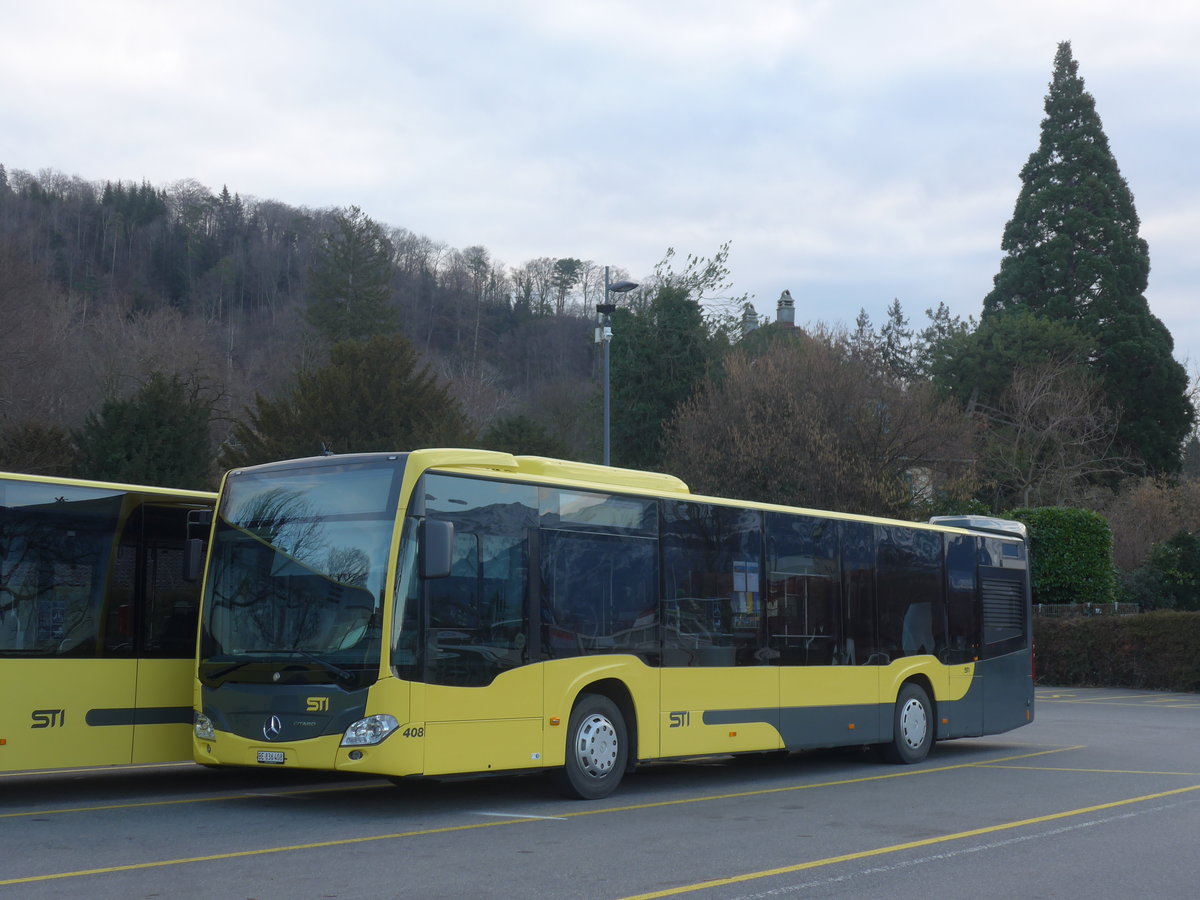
{"points": [[479, 702], [718, 691], [164, 631], [827, 694]]}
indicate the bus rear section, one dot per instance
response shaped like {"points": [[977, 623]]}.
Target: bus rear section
{"points": [[97, 623]]}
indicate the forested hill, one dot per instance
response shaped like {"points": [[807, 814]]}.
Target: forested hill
{"points": [[105, 283]]}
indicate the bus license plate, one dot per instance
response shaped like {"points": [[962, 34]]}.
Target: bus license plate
{"points": [[274, 757]]}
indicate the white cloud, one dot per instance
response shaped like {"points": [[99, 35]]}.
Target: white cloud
{"points": [[850, 150]]}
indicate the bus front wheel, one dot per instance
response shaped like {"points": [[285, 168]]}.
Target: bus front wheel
{"points": [[913, 727], [597, 749]]}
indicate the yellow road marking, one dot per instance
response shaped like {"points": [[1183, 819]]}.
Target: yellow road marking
{"points": [[907, 773], [141, 767], [1116, 699], [1088, 771], [357, 787], [911, 845], [342, 842], [216, 797], [242, 853]]}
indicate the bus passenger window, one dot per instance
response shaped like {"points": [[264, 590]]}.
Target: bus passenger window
{"points": [[962, 602], [858, 587], [713, 608], [911, 585], [803, 590]]}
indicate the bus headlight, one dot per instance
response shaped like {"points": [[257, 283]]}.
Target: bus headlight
{"points": [[370, 730], [203, 727]]}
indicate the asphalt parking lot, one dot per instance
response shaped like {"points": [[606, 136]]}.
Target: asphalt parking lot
{"points": [[1099, 797]]}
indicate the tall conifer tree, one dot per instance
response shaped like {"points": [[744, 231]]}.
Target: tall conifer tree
{"points": [[1073, 254], [351, 279]]}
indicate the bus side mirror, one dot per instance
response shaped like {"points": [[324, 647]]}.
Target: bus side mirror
{"points": [[193, 559], [199, 521], [435, 548]]}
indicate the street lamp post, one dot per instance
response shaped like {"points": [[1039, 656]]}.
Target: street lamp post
{"points": [[604, 336]]}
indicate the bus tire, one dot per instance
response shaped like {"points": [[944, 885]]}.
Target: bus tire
{"points": [[597, 749], [913, 727]]}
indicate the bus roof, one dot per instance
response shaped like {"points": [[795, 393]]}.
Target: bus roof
{"points": [[467, 460], [176, 493]]}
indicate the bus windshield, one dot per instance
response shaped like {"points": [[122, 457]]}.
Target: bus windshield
{"points": [[296, 574]]}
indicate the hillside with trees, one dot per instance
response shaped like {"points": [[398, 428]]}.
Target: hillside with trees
{"points": [[162, 333]]}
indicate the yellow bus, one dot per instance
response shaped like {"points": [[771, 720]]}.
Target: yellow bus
{"points": [[453, 611], [97, 624]]}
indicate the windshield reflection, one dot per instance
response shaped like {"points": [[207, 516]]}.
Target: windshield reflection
{"points": [[295, 584]]}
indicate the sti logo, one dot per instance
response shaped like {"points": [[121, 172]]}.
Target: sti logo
{"points": [[317, 704], [48, 718]]}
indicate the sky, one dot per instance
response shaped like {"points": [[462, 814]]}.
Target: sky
{"points": [[851, 152]]}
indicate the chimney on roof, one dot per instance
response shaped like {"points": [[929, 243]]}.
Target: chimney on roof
{"points": [[786, 314], [749, 319]]}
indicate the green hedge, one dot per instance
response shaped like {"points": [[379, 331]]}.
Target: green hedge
{"points": [[1152, 651], [1072, 555]]}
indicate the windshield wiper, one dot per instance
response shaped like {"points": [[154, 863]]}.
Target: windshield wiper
{"points": [[335, 670], [213, 676]]}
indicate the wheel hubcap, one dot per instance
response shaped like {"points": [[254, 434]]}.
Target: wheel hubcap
{"points": [[596, 746], [913, 724]]}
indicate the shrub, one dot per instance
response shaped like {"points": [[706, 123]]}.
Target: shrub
{"points": [[1170, 578], [1071, 551], [1152, 651]]}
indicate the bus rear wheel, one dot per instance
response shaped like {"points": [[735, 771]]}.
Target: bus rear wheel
{"points": [[597, 749], [913, 727]]}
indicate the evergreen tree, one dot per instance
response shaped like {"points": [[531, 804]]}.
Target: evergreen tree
{"points": [[521, 435], [158, 436], [896, 343], [373, 395], [567, 273], [37, 448], [943, 327], [975, 367], [351, 279], [1074, 255], [659, 355]]}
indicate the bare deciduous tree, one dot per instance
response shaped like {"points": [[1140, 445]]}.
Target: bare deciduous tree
{"points": [[810, 423], [1050, 437], [1148, 511]]}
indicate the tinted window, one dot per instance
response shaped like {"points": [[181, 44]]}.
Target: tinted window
{"points": [[148, 588], [803, 590], [55, 547], [599, 594], [962, 605], [713, 604], [909, 591], [858, 593], [479, 615], [599, 574]]}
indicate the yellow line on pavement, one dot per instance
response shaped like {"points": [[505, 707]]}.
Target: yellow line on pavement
{"points": [[1088, 771], [185, 800], [342, 842], [113, 770], [898, 848], [904, 773]]}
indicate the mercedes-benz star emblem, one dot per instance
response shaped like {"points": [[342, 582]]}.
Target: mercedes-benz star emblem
{"points": [[272, 728]]}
